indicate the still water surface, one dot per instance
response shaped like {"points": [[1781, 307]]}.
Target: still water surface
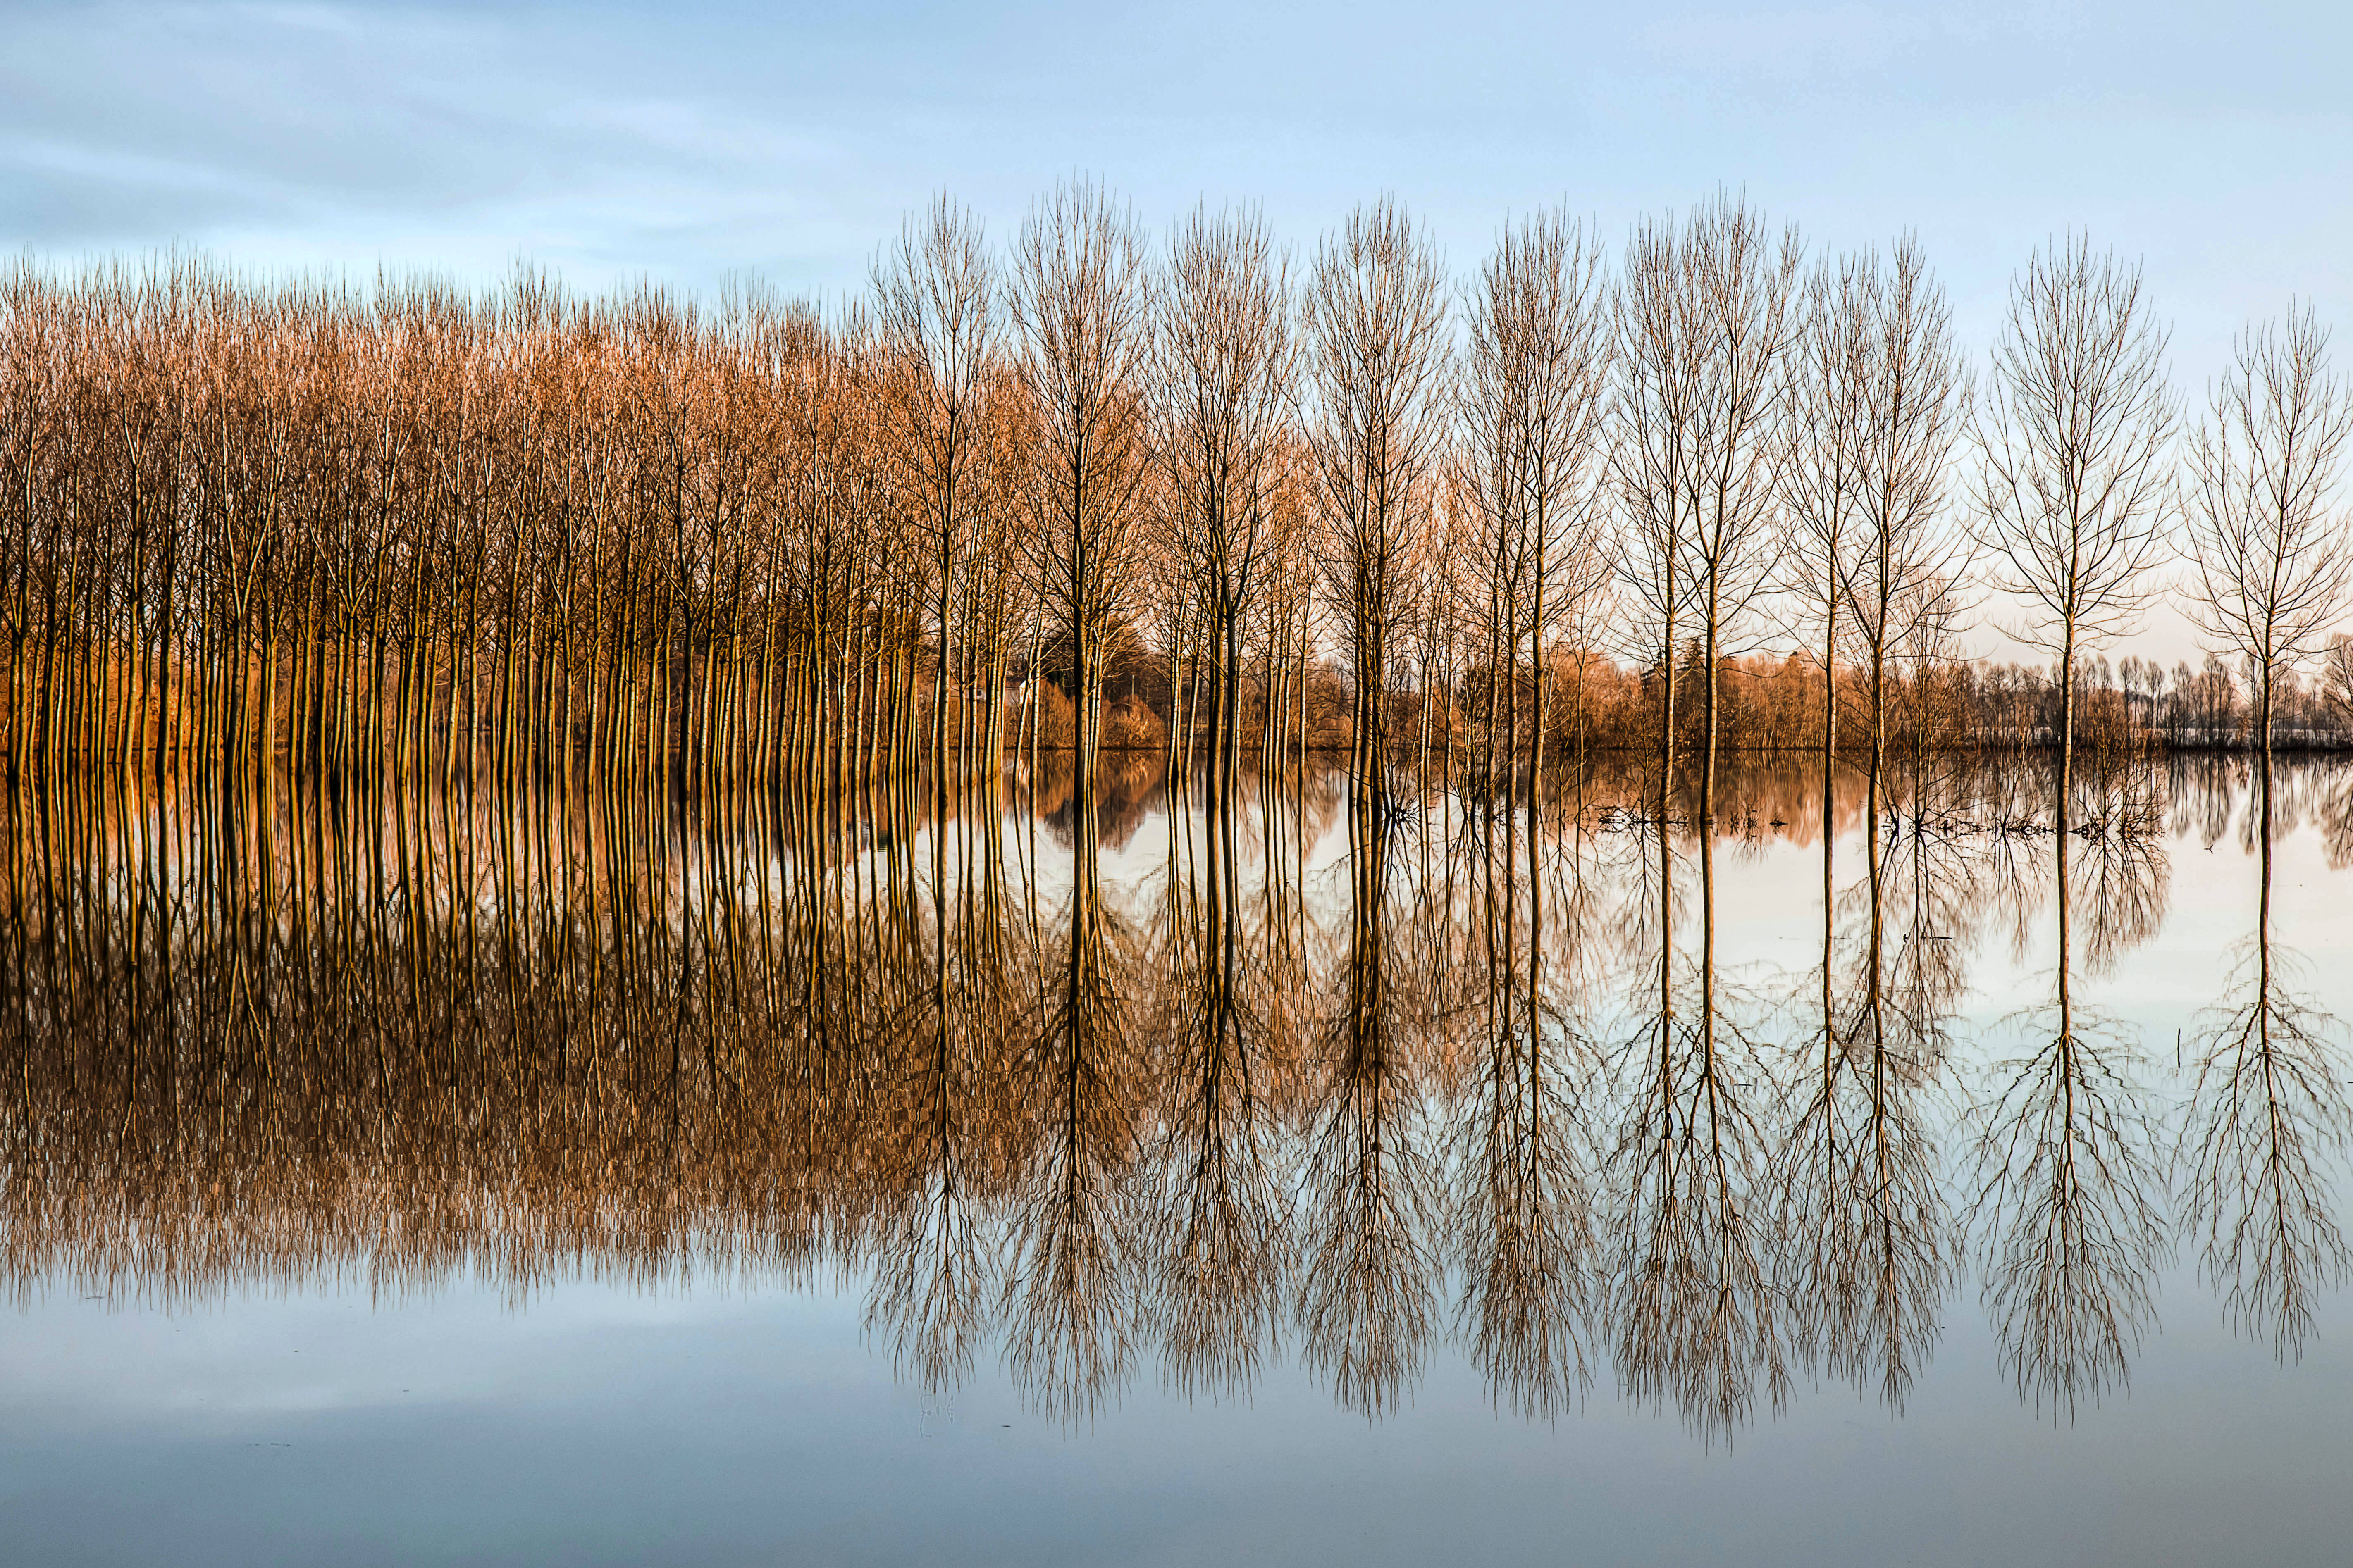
{"points": [[555, 1180]]}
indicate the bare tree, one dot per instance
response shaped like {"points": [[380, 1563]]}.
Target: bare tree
{"points": [[1081, 302], [2074, 488], [1829, 410], [1707, 318], [934, 298], [1226, 360], [1377, 359], [2272, 558], [1908, 557], [1533, 398]]}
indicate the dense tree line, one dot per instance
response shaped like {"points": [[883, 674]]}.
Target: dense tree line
{"points": [[1098, 490]]}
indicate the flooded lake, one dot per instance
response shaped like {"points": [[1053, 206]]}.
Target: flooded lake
{"points": [[568, 1178]]}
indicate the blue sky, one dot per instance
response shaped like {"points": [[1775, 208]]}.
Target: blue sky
{"points": [[683, 143]]}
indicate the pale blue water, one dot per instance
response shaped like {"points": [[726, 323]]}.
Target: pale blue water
{"points": [[751, 1420]]}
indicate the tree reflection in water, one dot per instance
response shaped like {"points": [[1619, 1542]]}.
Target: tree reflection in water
{"points": [[1694, 1316], [1328, 1079], [2066, 1192], [2267, 1130]]}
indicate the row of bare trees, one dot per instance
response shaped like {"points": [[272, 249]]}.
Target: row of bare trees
{"points": [[1092, 486]]}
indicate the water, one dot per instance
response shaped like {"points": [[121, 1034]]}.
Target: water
{"points": [[563, 1180]]}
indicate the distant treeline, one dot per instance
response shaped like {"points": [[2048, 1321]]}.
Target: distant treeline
{"points": [[1094, 489]]}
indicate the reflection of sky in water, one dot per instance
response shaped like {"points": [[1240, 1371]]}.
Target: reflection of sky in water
{"points": [[743, 1422], [602, 1426]]}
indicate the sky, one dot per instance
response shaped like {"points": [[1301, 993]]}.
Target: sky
{"points": [[684, 143]]}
